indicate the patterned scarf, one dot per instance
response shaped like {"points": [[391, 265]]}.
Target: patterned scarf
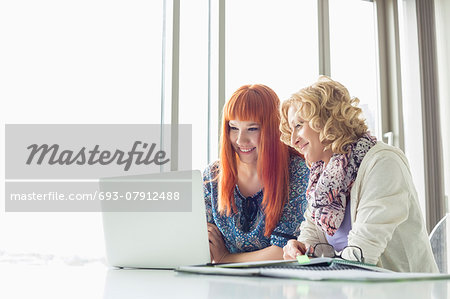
{"points": [[329, 188]]}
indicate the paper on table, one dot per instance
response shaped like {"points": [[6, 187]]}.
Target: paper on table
{"points": [[348, 275], [254, 264], [354, 275], [270, 269]]}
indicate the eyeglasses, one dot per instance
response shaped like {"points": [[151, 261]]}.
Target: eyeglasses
{"points": [[349, 253]]}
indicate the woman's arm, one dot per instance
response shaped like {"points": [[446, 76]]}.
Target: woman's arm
{"points": [[207, 191], [308, 230], [272, 252], [383, 201], [220, 254]]}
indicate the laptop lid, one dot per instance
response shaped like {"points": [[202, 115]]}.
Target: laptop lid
{"points": [[147, 229]]}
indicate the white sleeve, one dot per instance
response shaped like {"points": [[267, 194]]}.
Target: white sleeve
{"points": [[308, 230], [383, 204]]}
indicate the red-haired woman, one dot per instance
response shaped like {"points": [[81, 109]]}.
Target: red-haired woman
{"points": [[255, 193]]}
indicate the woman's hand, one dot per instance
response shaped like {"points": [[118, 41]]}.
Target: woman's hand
{"points": [[292, 249], [216, 244]]}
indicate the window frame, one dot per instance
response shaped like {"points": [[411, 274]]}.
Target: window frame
{"points": [[391, 122]]}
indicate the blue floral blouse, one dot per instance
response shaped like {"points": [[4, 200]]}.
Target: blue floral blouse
{"points": [[244, 231]]}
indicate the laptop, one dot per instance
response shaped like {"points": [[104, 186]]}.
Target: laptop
{"points": [[143, 228]]}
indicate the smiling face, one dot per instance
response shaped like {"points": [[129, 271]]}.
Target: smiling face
{"points": [[305, 139], [244, 137]]}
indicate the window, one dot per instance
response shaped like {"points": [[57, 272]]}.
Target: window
{"points": [[422, 75], [412, 109], [442, 10], [116, 62], [75, 62], [353, 52], [193, 92], [271, 43]]}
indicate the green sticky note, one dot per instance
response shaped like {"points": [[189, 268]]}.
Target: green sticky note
{"points": [[302, 259]]}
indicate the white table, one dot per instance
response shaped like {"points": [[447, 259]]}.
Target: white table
{"points": [[98, 281]]}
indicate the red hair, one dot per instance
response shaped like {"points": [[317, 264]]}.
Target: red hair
{"points": [[256, 103]]}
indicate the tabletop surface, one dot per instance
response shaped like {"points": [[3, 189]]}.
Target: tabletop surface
{"points": [[99, 281]]}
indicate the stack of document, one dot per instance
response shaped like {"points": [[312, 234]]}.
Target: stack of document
{"points": [[313, 269]]}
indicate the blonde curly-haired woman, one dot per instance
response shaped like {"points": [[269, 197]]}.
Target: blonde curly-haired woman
{"points": [[361, 197]]}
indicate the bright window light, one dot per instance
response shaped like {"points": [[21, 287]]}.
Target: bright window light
{"points": [[353, 51]]}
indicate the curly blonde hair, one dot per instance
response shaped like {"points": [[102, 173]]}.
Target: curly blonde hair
{"points": [[330, 111]]}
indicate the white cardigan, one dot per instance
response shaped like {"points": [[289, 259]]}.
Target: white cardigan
{"points": [[387, 223]]}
